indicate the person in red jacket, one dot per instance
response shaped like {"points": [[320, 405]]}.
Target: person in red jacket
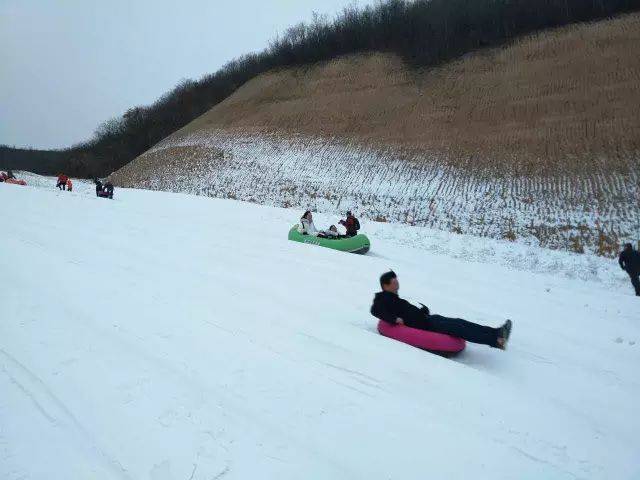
{"points": [[69, 184], [351, 224], [62, 181]]}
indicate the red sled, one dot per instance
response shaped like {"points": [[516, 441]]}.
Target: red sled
{"points": [[15, 181]]}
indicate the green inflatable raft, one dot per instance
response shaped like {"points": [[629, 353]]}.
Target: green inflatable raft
{"points": [[358, 244]]}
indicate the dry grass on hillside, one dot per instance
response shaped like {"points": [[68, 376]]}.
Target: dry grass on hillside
{"points": [[537, 142], [557, 102]]}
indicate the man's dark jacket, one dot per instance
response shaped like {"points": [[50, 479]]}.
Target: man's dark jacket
{"points": [[389, 306], [630, 260], [352, 225]]}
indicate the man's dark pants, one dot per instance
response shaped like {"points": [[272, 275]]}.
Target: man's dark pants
{"points": [[635, 281], [458, 327]]}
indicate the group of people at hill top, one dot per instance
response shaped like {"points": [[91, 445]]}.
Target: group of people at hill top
{"points": [[102, 190]]}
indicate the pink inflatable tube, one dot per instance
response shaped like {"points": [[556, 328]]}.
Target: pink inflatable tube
{"points": [[432, 341]]}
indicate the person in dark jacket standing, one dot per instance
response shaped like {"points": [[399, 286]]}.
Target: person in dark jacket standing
{"points": [[351, 224], [103, 191], [108, 189], [629, 261], [98, 187], [389, 307]]}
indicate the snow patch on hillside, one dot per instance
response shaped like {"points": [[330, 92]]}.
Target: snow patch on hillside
{"points": [[590, 213]]}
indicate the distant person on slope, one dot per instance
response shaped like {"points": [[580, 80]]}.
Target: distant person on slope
{"points": [[351, 224], [629, 261], [98, 186], [389, 307], [108, 189], [9, 177], [62, 181], [103, 191], [69, 184]]}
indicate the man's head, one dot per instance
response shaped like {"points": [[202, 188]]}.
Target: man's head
{"points": [[628, 246], [333, 228], [349, 214], [389, 282]]}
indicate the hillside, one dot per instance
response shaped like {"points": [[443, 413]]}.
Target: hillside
{"points": [[536, 106], [529, 142], [121, 357]]}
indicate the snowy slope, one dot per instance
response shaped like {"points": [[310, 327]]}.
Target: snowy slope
{"points": [[164, 336], [569, 211]]}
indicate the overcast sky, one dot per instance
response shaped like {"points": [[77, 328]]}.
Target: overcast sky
{"points": [[68, 65]]}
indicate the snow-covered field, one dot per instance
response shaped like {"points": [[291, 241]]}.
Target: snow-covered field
{"points": [[164, 336]]}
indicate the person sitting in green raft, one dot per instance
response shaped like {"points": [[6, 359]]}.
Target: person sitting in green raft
{"points": [[331, 233], [307, 227]]}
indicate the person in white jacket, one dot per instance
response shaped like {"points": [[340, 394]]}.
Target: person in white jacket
{"points": [[307, 227]]}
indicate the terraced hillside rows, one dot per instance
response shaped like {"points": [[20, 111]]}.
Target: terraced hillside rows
{"points": [[561, 212], [537, 142]]}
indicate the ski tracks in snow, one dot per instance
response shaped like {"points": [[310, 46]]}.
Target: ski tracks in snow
{"points": [[57, 413]]}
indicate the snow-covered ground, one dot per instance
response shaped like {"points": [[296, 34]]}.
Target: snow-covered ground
{"points": [[164, 336]]}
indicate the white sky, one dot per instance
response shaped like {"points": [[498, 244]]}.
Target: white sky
{"points": [[68, 65]]}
